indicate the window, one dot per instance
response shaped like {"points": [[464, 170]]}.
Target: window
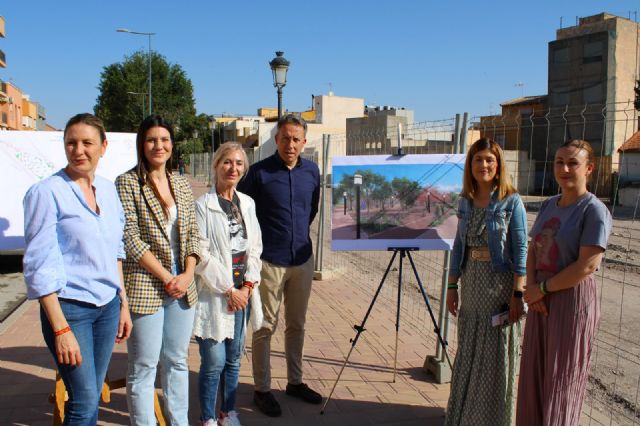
{"points": [[592, 94], [560, 95], [560, 56], [592, 52]]}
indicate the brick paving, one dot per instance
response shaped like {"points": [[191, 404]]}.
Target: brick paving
{"points": [[365, 395]]}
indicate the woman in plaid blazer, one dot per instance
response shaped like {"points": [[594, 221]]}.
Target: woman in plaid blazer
{"points": [[162, 244]]}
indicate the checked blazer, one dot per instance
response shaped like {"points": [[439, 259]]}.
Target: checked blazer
{"points": [[145, 230]]}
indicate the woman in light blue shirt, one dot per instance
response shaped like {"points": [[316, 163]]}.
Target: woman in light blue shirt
{"points": [[72, 264]]}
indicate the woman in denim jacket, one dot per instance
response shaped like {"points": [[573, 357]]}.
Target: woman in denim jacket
{"points": [[489, 254]]}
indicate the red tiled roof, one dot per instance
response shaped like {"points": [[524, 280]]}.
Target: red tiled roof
{"points": [[632, 144]]}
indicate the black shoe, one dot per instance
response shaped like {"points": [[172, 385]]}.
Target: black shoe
{"points": [[266, 402], [304, 392]]}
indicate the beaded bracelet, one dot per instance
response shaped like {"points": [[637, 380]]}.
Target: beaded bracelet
{"points": [[543, 287], [62, 331]]}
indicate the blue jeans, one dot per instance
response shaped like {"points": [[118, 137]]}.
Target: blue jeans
{"points": [[220, 368], [162, 336], [95, 328]]}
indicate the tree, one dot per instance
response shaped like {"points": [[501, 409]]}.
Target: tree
{"points": [[188, 146], [172, 94], [406, 191], [203, 132]]}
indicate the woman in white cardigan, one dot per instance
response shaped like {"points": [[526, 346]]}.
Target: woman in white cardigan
{"points": [[227, 276]]}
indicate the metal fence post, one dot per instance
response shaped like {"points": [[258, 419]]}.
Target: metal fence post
{"points": [[456, 135], [437, 364], [326, 142], [463, 133]]}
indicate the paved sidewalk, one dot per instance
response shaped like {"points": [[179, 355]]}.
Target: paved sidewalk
{"points": [[365, 395]]}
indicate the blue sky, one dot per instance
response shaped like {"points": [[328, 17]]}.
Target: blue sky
{"points": [[446, 177], [435, 57]]}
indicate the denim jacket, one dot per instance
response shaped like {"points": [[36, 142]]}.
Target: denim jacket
{"points": [[506, 223]]}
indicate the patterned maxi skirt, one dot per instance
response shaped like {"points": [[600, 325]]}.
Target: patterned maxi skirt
{"points": [[555, 357], [483, 382]]}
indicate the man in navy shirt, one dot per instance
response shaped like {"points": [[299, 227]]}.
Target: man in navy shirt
{"points": [[286, 190]]}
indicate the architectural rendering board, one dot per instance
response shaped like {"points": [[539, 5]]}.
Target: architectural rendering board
{"points": [[386, 201]]}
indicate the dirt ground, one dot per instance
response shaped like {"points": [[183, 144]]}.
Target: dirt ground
{"points": [[613, 391]]}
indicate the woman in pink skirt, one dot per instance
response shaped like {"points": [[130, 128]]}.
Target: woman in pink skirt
{"points": [[568, 240]]}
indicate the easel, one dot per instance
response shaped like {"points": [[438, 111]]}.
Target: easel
{"points": [[404, 252], [59, 396]]}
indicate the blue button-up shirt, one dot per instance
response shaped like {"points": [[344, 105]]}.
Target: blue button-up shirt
{"points": [[71, 250], [286, 204]]}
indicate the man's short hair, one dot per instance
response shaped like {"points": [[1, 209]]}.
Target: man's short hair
{"points": [[292, 119]]}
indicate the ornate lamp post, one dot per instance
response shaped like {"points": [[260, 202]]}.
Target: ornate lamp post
{"points": [[357, 182], [279, 66], [344, 195], [126, 30]]}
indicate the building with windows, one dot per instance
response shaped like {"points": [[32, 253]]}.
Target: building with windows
{"points": [[593, 68], [3, 60], [41, 121], [10, 106], [29, 113]]}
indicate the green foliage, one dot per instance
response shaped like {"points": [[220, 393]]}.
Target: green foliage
{"points": [[202, 132], [172, 95], [374, 187], [406, 191], [379, 222], [186, 147]]}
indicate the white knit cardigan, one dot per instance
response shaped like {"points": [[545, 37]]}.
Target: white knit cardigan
{"points": [[214, 274]]}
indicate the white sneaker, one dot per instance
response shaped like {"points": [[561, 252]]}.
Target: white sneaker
{"points": [[231, 419], [208, 423]]}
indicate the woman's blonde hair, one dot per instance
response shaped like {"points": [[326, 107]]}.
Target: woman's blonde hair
{"points": [[223, 151], [502, 181]]}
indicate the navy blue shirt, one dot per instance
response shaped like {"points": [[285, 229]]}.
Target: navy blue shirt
{"points": [[286, 204]]}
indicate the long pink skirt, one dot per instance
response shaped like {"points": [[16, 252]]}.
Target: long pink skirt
{"points": [[555, 357]]}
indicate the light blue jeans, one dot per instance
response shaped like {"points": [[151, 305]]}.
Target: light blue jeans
{"points": [[220, 369], [95, 328], [163, 336]]}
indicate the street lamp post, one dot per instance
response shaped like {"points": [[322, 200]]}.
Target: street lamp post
{"points": [[142, 96], [279, 66], [212, 127], [126, 30], [344, 195], [357, 182]]}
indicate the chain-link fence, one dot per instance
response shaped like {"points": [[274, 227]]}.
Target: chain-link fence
{"points": [[200, 166], [529, 135], [530, 139]]}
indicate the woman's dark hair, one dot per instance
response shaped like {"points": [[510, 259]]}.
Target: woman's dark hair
{"points": [[89, 120], [142, 166]]}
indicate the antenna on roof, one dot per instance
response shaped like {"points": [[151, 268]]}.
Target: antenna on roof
{"points": [[521, 86]]}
